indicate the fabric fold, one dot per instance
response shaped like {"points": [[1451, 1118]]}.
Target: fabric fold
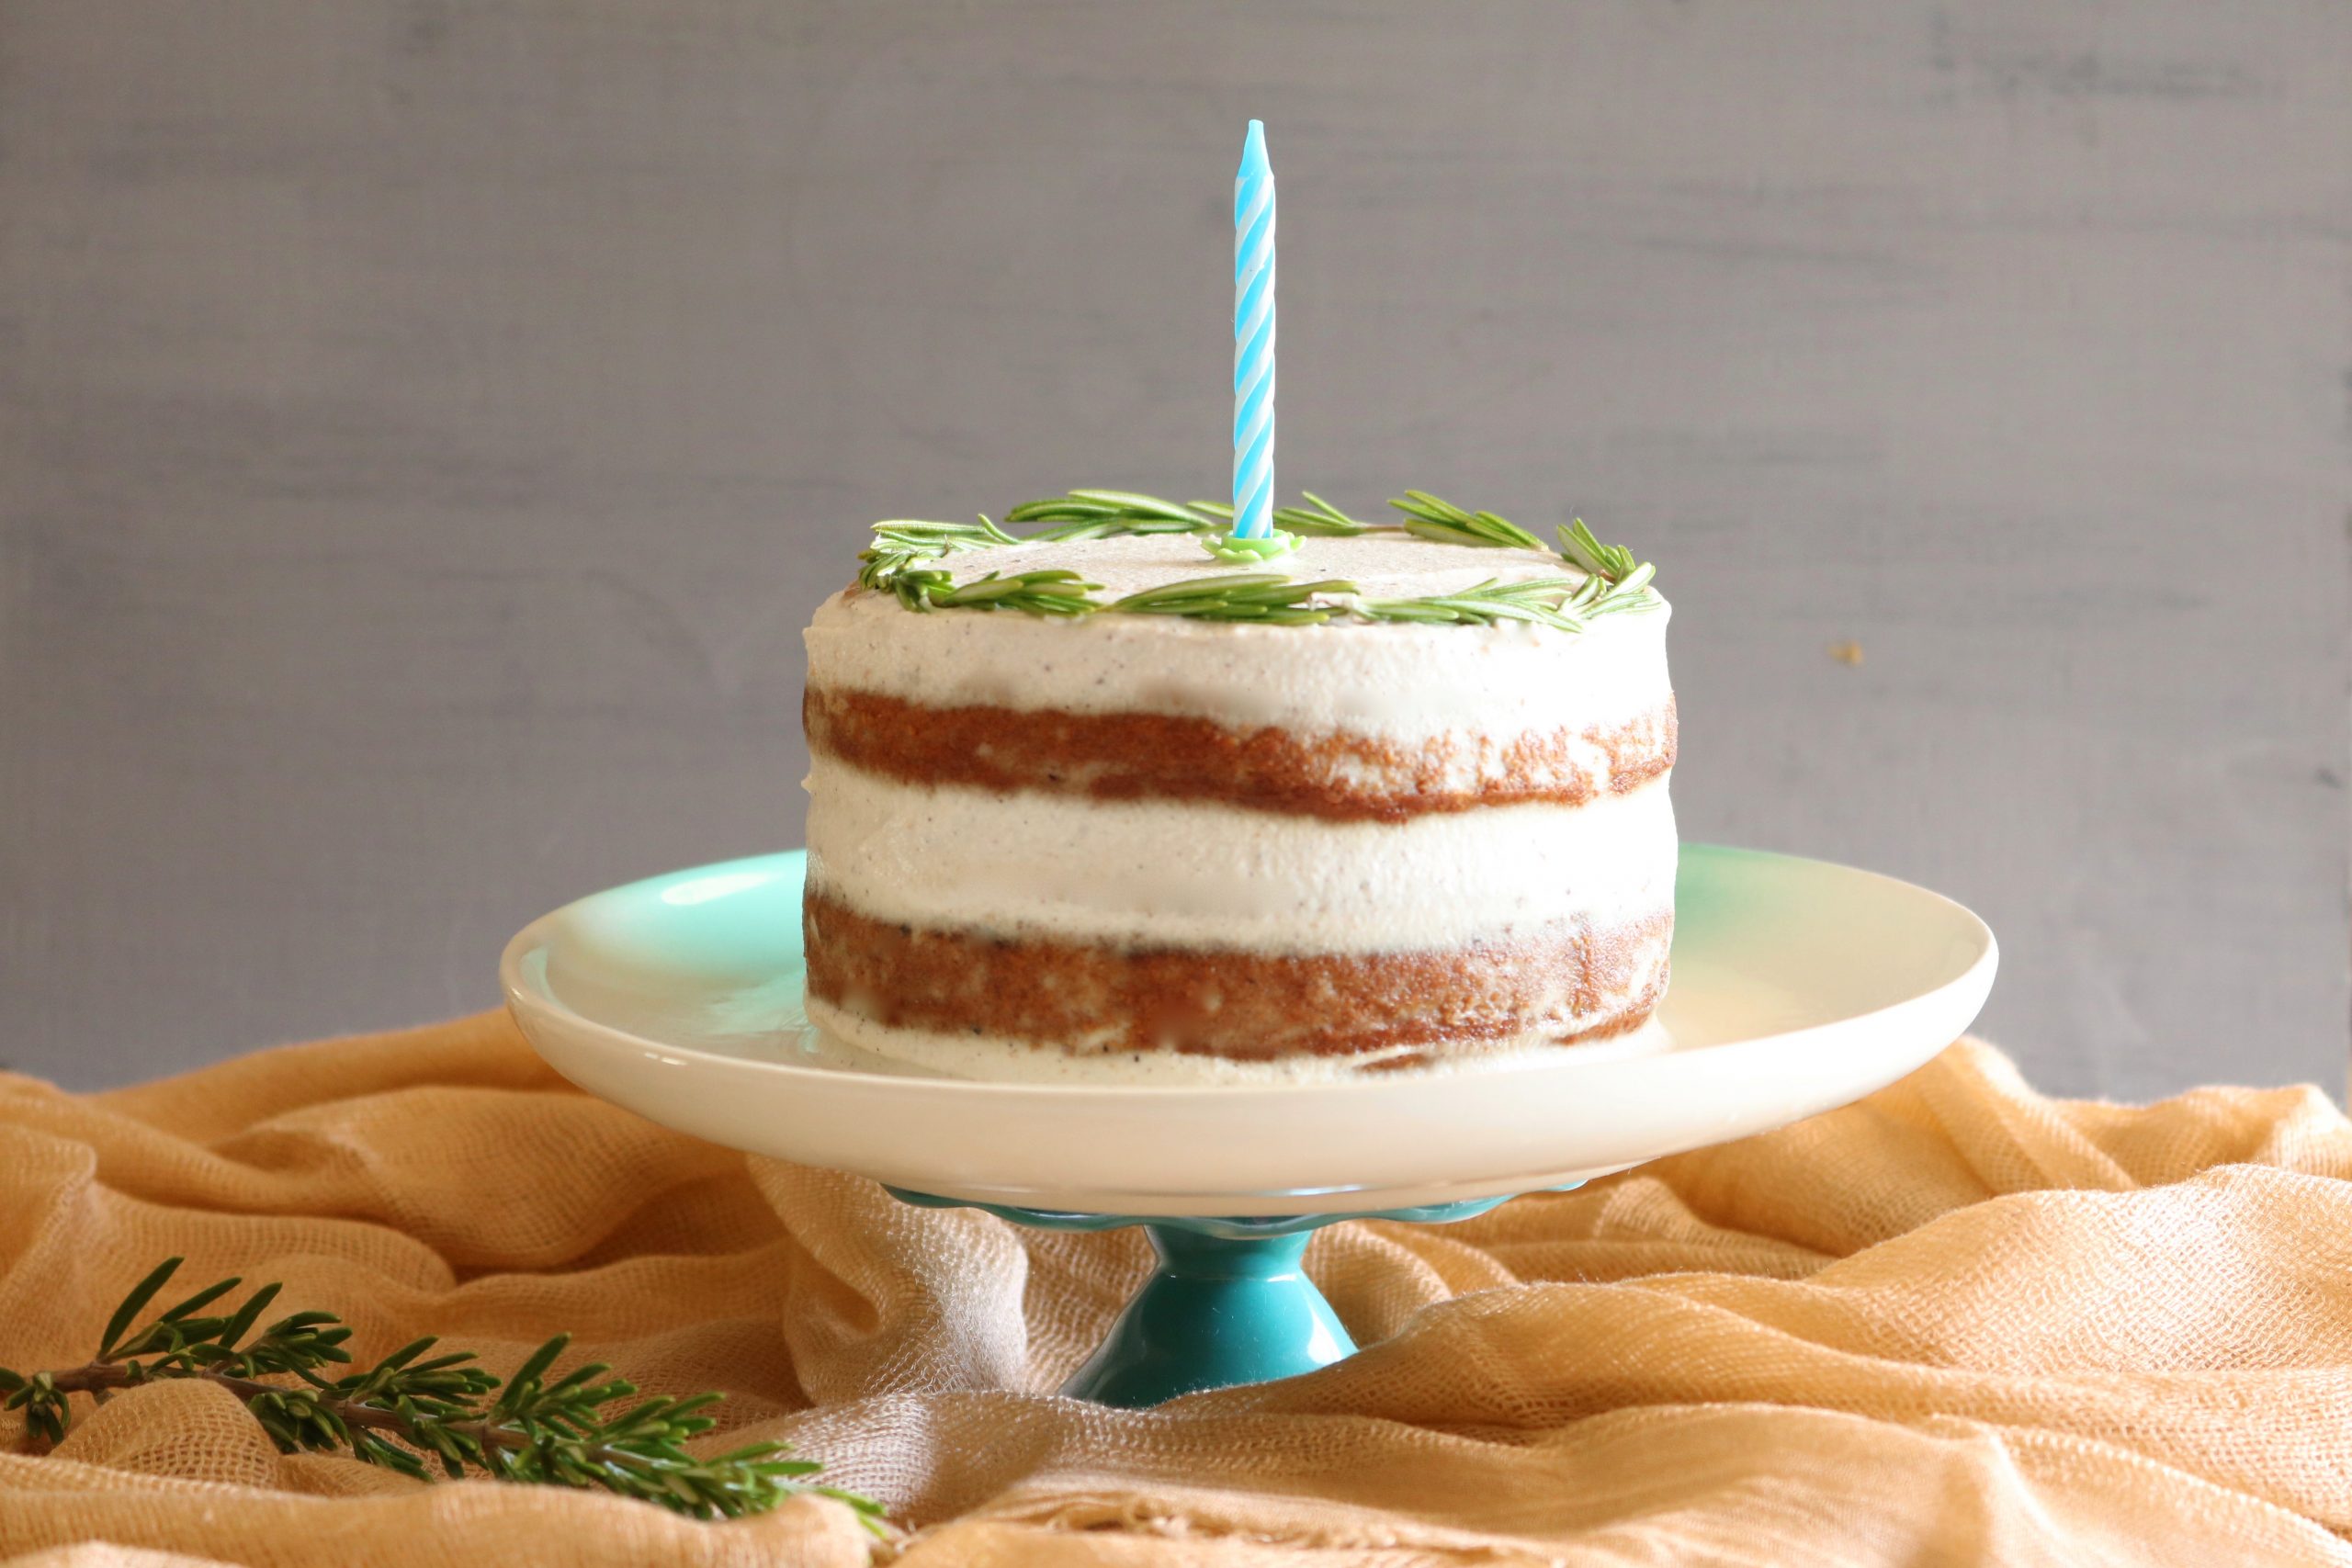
{"points": [[1956, 1322]]}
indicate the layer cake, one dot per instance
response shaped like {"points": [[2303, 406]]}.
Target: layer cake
{"points": [[1146, 848]]}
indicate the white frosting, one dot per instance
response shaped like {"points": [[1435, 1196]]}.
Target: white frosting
{"points": [[1186, 874], [839, 1039], [1401, 683]]}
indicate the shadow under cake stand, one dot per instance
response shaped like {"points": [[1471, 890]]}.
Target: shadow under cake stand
{"points": [[1798, 987]]}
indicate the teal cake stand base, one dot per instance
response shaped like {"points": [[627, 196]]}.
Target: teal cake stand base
{"points": [[1227, 1304]]}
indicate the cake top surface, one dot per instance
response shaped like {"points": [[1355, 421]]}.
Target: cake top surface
{"points": [[1135, 556], [1387, 564]]}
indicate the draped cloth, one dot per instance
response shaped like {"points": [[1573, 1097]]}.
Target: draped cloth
{"points": [[1955, 1323]]}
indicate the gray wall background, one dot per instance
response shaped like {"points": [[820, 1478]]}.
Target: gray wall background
{"points": [[424, 428]]}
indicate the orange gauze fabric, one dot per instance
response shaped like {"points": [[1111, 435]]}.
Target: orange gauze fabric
{"points": [[1956, 1322]]}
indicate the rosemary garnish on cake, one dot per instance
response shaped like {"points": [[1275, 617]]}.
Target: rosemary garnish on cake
{"points": [[902, 559], [1262, 596], [1100, 513], [1428, 518]]}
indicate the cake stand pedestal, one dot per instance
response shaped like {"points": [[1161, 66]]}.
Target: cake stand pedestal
{"points": [[1798, 987], [1228, 1303]]}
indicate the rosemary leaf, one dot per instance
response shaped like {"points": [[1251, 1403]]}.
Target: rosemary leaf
{"points": [[135, 1303]]}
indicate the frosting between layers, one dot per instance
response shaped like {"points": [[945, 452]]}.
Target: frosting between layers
{"points": [[1192, 875], [1394, 682]]}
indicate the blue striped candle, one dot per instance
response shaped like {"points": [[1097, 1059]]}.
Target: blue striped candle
{"points": [[1254, 339]]}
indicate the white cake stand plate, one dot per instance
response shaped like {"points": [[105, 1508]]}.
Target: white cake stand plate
{"points": [[1798, 986]]}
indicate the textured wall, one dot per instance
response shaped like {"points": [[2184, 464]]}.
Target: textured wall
{"points": [[424, 428]]}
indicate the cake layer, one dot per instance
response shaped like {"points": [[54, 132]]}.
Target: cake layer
{"points": [[860, 1044], [1575, 981], [1133, 756], [1178, 874], [1386, 682]]}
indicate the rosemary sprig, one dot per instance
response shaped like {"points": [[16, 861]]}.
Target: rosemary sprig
{"points": [[1433, 517], [1543, 600], [905, 539], [1262, 596], [1613, 583], [888, 565], [1580, 548], [1102, 513], [1105, 513], [920, 537], [1606, 596], [1053, 593], [410, 1408]]}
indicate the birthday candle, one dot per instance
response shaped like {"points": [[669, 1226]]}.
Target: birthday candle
{"points": [[1254, 339]]}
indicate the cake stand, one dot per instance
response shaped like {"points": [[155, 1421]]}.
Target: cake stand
{"points": [[1798, 987]]}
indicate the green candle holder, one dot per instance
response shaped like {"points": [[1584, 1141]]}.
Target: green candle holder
{"points": [[1228, 1303]]}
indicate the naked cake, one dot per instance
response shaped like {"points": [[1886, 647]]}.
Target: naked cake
{"points": [[1393, 800]]}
